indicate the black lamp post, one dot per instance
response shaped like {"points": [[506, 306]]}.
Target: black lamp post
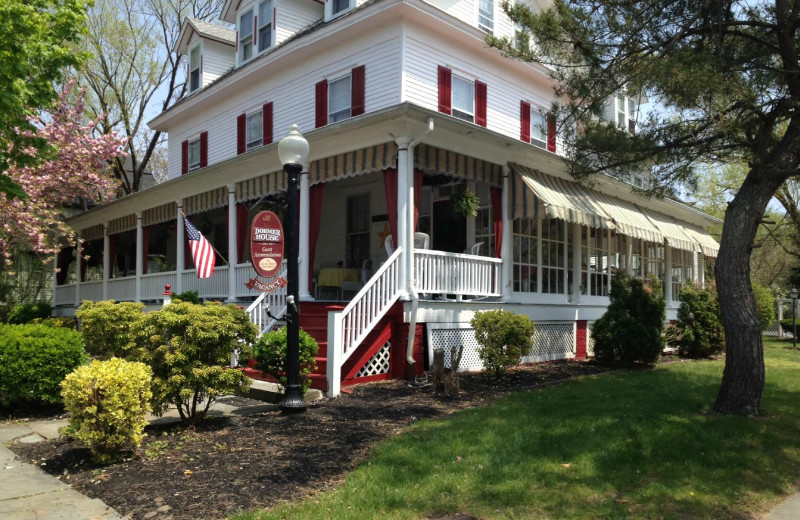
{"points": [[793, 296], [293, 153]]}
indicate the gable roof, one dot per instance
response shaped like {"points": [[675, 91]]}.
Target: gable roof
{"points": [[205, 30]]}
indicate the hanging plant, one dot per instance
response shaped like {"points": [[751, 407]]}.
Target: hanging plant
{"points": [[465, 202]]}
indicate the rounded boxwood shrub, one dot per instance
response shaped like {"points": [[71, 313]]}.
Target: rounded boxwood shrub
{"points": [[270, 355], [21, 314], [630, 330], [765, 304], [108, 403], [108, 327], [34, 359], [698, 332], [504, 338]]}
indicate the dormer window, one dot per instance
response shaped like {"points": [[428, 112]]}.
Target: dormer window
{"points": [[246, 36], [194, 69], [339, 6], [486, 15], [265, 19]]}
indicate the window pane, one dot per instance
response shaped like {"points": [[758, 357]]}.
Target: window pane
{"points": [[339, 99], [195, 58], [486, 15], [254, 130], [264, 25], [538, 129], [194, 80], [265, 13], [463, 95], [194, 154], [246, 25], [340, 5]]}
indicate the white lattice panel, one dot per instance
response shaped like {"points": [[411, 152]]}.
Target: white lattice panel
{"points": [[552, 340], [379, 364], [459, 338], [589, 339]]}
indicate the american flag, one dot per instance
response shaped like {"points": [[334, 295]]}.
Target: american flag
{"points": [[202, 251]]}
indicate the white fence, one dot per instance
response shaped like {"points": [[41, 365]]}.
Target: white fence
{"points": [[439, 272]]}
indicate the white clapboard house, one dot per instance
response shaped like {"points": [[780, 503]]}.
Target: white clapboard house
{"points": [[405, 107]]}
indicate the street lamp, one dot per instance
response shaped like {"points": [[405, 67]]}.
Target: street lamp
{"points": [[793, 296], [293, 153]]}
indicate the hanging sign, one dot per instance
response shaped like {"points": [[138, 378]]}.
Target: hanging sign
{"points": [[257, 285], [266, 244]]}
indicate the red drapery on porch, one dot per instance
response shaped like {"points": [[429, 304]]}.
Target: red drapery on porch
{"points": [[315, 196], [62, 262], [496, 195], [145, 247], [390, 188], [417, 194]]}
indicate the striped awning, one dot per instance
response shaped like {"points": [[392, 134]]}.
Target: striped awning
{"points": [[126, 223], [92, 233], [160, 214], [565, 200], [628, 219], [206, 201], [708, 245], [674, 232], [438, 160]]}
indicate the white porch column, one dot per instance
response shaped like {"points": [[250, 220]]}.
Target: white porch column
{"points": [[78, 255], [538, 256], [507, 247], [780, 318], [232, 243], [180, 231], [106, 259], [609, 252], [629, 255], [305, 227], [576, 262], [700, 274], [404, 209], [139, 259], [668, 274]]}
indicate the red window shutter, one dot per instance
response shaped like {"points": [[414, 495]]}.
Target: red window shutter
{"points": [[255, 35], [203, 149], [525, 121], [241, 133], [237, 41], [322, 104], [184, 157], [201, 64], [445, 90], [266, 115], [480, 103], [551, 132], [357, 85]]}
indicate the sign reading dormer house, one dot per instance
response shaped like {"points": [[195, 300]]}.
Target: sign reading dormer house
{"points": [[266, 251]]}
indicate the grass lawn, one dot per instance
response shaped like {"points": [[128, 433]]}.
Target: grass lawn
{"points": [[622, 445]]}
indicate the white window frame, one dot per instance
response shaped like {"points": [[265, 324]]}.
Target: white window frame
{"points": [[538, 127], [194, 149], [246, 39], [485, 18], [193, 69], [334, 117], [252, 142], [331, 4], [466, 116], [261, 25]]}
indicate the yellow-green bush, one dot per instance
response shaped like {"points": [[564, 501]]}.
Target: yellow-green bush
{"points": [[108, 402], [108, 328], [504, 338]]}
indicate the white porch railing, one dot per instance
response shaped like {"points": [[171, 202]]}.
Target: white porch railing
{"points": [[92, 290], [64, 295], [274, 301], [439, 272], [153, 284], [214, 287], [348, 328], [123, 289]]}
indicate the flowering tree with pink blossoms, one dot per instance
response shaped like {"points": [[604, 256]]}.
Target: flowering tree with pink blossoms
{"points": [[74, 167]]}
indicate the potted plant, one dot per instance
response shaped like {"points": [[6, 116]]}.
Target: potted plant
{"points": [[464, 202]]}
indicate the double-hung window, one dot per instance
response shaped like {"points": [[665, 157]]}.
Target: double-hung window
{"points": [[194, 69], [255, 131], [339, 99], [265, 19], [486, 15], [246, 36], [538, 129], [339, 6], [625, 113], [463, 99], [194, 154]]}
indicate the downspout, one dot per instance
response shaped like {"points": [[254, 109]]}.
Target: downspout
{"points": [[412, 325]]}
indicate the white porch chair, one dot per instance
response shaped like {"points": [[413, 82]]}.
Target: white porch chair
{"points": [[354, 287], [389, 245], [421, 240], [474, 250]]}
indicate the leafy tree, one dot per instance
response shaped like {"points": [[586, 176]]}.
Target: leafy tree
{"points": [[698, 332], [75, 169], [35, 46], [728, 74]]}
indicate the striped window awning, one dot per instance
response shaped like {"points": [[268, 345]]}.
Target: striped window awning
{"points": [[673, 231], [119, 225], [565, 200], [92, 233], [708, 245], [205, 201], [438, 160], [160, 214], [629, 220]]}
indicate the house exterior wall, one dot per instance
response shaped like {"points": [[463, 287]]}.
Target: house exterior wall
{"points": [[217, 60], [295, 15]]}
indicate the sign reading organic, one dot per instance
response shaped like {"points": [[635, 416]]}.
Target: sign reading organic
{"points": [[266, 244]]}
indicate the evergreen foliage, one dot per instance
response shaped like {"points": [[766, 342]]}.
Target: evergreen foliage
{"points": [[270, 355], [765, 303], [630, 330], [504, 338], [28, 312], [108, 328], [698, 332]]}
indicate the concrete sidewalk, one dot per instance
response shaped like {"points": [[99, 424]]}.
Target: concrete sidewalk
{"points": [[789, 509], [28, 493]]}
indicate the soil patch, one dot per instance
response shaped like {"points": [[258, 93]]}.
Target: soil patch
{"points": [[246, 462]]}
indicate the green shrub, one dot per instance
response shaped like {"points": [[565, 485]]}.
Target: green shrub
{"points": [[188, 347], [788, 326], [58, 321], [630, 330], [503, 339], [108, 403], [698, 332], [34, 359], [108, 328], [765, 304], [270, 355], [21, 314], [187, 297]]}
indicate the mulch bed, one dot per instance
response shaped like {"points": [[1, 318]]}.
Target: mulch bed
{"points": [[259, 460]]}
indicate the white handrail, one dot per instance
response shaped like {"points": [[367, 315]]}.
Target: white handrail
{"points": [[349, 327], [275, 301], [440, 272]]}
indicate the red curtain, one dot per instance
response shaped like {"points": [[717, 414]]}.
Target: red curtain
{"points": [[496, 195], [145, 247], [62, 262], [242, 214], [315, 196], [390, 188]]}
